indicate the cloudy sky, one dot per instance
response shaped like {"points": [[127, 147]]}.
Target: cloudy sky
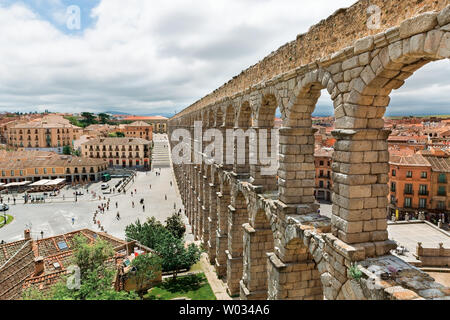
{"points": [[159, 56]]}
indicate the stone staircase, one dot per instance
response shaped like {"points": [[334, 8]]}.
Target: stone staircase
{"points": [[160, 154]]}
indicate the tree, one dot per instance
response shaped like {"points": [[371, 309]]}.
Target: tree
{"points": [[117, 135], [91, 257], [147, 234], [148, 267], [154, 235], [176, 226], [175, 256], [89, 118], [67, 150], [104, 118]]}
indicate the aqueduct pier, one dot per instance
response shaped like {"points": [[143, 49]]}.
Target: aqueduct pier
{"points": [[263, 233]]}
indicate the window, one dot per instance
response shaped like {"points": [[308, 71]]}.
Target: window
{"points": [[424, 175], [409, 174], [422, 203], [321, 163], [321, 173], [441, 205], [442, 191], [45, 170], [423, 190], [12, 172], [394, 173], [442, 178], [320, 184], [393, 187], [21, 172], [53, 170], [393, 200], [3, 173], [408, 202], [408, 188]]}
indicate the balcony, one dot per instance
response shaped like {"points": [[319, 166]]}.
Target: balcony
{"points": [[409, 191], [424, 193]]}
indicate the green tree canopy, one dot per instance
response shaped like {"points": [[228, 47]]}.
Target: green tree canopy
{"points": [[176, 226], [148, 267], [154, 235]]}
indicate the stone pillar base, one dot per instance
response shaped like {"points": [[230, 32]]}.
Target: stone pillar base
{"points": [[246, 294], [234, 273], [293, 281]]}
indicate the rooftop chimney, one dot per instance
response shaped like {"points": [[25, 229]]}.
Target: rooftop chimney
{"points": [[38, 266], [27, 234]]}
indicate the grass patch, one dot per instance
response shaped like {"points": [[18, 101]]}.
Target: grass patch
{"points": [[194, 287], [9, 219], [196, 267]]}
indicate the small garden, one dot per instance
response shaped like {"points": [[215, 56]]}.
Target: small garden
{"points": [[193, 287]]}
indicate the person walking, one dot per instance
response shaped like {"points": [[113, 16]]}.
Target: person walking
{"points": [[118, 215], [143, 208], [73, 221], [132, 204], [165, 196], [117, 205]]}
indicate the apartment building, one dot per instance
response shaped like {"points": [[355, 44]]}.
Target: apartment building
{"points": [[324, 181], [120, 152], [410, 185], [47, 134], [138, 129]]}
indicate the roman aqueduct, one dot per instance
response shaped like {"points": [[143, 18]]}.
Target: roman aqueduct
{"points": [[263, 233]]}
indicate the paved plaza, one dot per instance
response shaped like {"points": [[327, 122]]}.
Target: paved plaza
{"points": [[55, 216]]}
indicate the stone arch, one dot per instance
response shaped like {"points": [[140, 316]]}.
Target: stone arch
{"points": [[361, 156], [297, 142], [303, 99], [244, 118], [219, 117], [229, 116], [387, 71], [265, 114]]}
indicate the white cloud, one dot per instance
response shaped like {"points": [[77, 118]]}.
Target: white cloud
{"points": [[143, 56]]}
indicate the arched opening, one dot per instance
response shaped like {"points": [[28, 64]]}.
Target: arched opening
{"points": [[267, 122], [416, 109], [297, 172], [242, 141], [362, 141]]}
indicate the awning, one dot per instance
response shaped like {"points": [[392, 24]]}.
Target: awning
{"points": [[17, 184], [45, 182]]}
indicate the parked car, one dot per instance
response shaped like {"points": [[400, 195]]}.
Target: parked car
{"points": [[4, 207], [105, 186]]}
